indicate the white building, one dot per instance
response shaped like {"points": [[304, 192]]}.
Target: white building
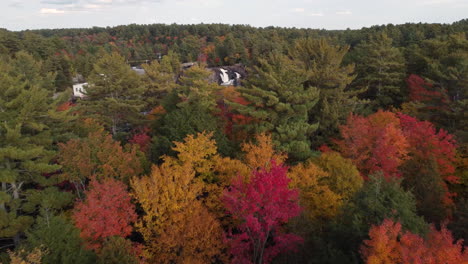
{"points": [[79, 90]]}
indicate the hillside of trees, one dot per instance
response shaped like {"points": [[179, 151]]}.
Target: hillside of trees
{"points": [[339, 146]]}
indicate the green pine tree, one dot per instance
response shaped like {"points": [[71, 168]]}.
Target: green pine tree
{"points": [[160, 79], [325, 70], [114, 94], [378, 199], [280, 104], [191, 109], [61, 239], [381, 67], [25, 141]]}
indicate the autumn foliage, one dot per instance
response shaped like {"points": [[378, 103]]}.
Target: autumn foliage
{"points": [[141, 139], [374, 143], [106, 212], [423, 91], [319, 202], [176, 226], [260, 152], [98, 154], [426, 142], [262, 206], [389, 244]]}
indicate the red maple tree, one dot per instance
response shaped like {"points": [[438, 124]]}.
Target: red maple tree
{"points": [[262, 206], [426, 143], [374, 143], [106, 212], [142, 139]]}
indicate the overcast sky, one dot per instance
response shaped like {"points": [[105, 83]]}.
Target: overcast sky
{"points": [[328, 14]]}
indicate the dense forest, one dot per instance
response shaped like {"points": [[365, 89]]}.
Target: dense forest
{"points": [[339, 146]]}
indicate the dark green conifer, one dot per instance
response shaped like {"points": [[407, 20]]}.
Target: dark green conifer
{"points": [[280, 103]]}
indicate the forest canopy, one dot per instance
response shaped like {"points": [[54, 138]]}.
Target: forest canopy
{"points": [[331, 146]]}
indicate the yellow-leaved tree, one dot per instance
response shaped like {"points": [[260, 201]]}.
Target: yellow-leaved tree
{"points": [[344, 178], [176, 226], [260, 153], [319, 202]]}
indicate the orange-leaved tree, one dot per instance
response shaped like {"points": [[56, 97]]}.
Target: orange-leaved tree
{"points": [[388, 245], [100, 155], [175, 226], [106, 212], [374, 143]]}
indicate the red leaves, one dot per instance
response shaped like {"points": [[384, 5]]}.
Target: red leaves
{"points": [[262, 206], [374, 143], [142, 139], [388, 244], [422, 91], [426, 143], [232, 119], [65, 106], [107, 211], [384, 140]]}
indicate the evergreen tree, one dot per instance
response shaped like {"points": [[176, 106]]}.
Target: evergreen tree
{"points": [[423, 179], [381, 67], [195, 89], [444, 61], [117, 250], [61, 65], [379, 199], [191, 109], [160, 78], [280, 103], [114, 93], [24, 142], [325, 70], [61, 239]]}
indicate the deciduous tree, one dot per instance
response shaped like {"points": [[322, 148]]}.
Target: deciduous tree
{"points": [[175, 226], [374, 143], [262, 206], [344, 178], [434, 153], [106, 212], [389, 244], [318, 201], [98, 154]]}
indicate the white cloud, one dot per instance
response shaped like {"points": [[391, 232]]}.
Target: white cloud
{"points": [[316, 14], [346, 12], [51, 11], [195, 3], [57, 2], [92, 6], [298, 10]]}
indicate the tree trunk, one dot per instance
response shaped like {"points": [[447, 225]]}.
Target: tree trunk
{"points": [[16, 238], [2, 204]]}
